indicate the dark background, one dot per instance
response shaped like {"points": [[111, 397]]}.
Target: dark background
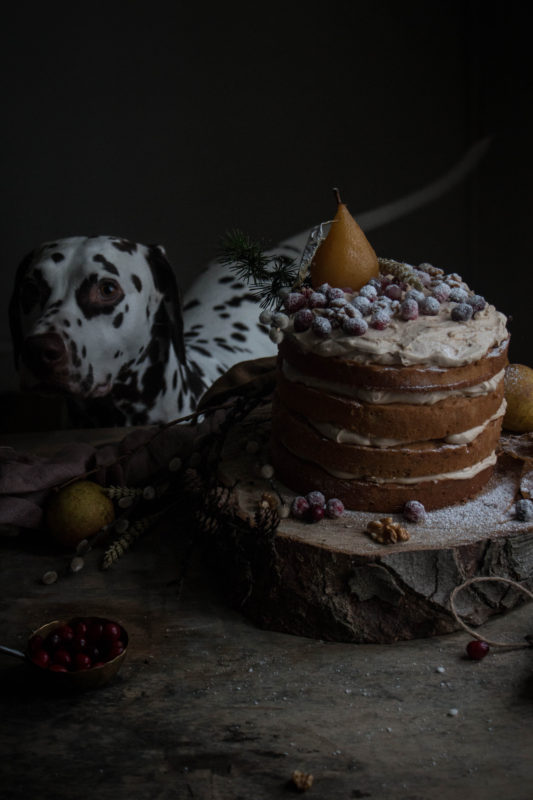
{"points": [[172, 122]]}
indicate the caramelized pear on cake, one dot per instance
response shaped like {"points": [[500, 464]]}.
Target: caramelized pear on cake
{"points": [[345, 257]]}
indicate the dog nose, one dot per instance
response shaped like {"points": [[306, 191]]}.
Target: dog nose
{"points": [[44, 353]]}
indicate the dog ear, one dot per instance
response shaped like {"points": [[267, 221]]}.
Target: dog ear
{"points": [[15, 324], [165, 281]]}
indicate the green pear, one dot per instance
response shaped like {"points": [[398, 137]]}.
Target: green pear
{"points": [[519, 395]]}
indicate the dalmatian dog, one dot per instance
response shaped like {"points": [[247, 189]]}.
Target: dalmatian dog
{"points": [[100, 320]]}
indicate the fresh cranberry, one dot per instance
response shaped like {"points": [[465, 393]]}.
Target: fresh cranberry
{"points": [[116, 649], [62, 658], [53, 641], [41, 658], [477, 649], [111, 632], [35, 643], [82, 661], [79, 644], [80, 628], [94, 631], [65, 632], [93, 653]]}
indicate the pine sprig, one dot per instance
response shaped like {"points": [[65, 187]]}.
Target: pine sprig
{"points": [[266, 274]]}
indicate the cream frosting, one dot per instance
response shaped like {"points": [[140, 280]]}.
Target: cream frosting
{"points": [[436, 341], [345, 436], [456, 475], [384, 397]]}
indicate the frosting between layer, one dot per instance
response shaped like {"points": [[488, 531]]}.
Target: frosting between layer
{"points": [[383, 397]]}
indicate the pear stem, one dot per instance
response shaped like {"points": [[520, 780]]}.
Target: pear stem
{"points": [[337, 194]]}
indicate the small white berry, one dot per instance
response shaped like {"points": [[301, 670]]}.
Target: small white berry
{"points": [[49, 577], [77, 564], [280, 320], [267, 471], [148, 492], [275, 335], [175, 464], [265, 317]]}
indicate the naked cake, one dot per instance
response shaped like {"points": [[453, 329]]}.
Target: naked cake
{"points": [[390, 392]]}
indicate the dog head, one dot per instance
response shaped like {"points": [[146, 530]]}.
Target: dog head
{"points": [[85, 310]]}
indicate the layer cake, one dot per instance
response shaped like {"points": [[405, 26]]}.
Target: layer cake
{"points": [[391, 393]]}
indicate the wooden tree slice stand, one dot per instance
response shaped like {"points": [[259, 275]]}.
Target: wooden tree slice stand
{"points": [[331, 581]]}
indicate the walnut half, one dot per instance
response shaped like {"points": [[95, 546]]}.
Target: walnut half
{"points": [[385, 531], [302, 781]]}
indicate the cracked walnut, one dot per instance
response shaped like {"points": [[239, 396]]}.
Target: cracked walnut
{"points": [[386, 531]]}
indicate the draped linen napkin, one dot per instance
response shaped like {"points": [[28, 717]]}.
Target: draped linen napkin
{"points": [[26, 479]]}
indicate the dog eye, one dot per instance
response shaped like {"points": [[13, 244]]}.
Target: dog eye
{"points": [[108, 289]]}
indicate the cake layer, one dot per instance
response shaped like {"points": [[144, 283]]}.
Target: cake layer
{"points": [[411, 379], [303, 477], [361, 462], [401, 421]]}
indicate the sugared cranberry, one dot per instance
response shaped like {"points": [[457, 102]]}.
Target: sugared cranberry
{"points": [[368, 291], [477, 302], [334, 293], [354, 326], [429, 306], [393, 291], [477, 649], [409, 309], [316, 513], [334, 508], [321, 327], [414, 511], [316, 499], [82, 661], [362, 304], [303, 320], [299, 507], [41, 658], [380, 320], [318, 300], [461, 312], [441, 292], [294, 302], [458, 295]]}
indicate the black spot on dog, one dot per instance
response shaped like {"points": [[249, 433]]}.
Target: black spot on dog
{"points": [[34, 291], [191, 304], [241, 326], [84, 352], [238, 286], [225, 315], [180, 400], [239, 337], [117, 354], [74, 357], [175, 379], [125, 246], [198, 326], [88, 381], [57, 257], [190, 334], [221, 370], [80, 323], [137, 282], [107, 265], [201, 350], [235, 302], [225, 279], [126, 309], [219, 307], [66, 323]]}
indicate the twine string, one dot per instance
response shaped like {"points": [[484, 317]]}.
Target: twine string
{"points": [[475, 634]]}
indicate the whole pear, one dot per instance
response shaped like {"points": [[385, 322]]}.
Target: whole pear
{"points": [[519, 395], [77, 511], [345, 258]]}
